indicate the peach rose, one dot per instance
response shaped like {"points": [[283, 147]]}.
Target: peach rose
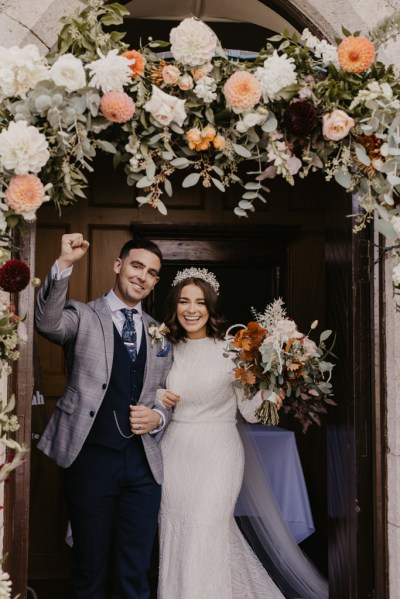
{"points": [[336, 125], [219, 142], [194, 137], [185, 83], [170, 74]]}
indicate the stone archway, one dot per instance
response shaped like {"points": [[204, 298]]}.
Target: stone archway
{"points": [[23, 22]]}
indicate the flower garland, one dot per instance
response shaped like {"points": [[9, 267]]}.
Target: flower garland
{"points": [[299, 106]]}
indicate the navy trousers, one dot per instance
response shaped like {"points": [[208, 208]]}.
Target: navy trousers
{"points": [[113, 503]]}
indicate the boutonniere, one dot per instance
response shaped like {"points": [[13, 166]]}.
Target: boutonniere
{"points": [[158, 333]]}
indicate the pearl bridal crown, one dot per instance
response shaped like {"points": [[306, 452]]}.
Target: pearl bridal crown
{"points": [[197, 273]]}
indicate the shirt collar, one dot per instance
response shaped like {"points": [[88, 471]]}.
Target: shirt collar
{"points": [[117, 304]]}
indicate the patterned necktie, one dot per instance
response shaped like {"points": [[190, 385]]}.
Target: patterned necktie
{"points": [[129, 332]]}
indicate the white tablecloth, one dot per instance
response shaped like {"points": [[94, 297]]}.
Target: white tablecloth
{"points": [[281, 464]]}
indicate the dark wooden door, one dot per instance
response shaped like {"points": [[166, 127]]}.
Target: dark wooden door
{"points": [[349, 430]]}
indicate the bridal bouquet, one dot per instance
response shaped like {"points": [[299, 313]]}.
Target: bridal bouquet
{"points": [[272, 356]]}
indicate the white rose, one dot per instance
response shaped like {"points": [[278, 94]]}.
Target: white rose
{"points": [[193, 43], [250, 120], [165, 108], [23, 149], [68, 71], [336, 125]]}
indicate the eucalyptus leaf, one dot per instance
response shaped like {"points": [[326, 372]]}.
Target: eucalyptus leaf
{"points": [[324, 335], [106, 146], [362, 154], [239, 212], [191, 180], [242, 151], [385, 228], [168, 187], [343, 178], [144, 182], [218, 184], [245, 205]]}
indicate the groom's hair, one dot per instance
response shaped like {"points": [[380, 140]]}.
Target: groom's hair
{"points": [[139, 243]]}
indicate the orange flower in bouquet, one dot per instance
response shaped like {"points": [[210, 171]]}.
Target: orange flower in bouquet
{"points": [[272, 356]]}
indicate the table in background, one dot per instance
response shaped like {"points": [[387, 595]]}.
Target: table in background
{"points": [[281, 464]]}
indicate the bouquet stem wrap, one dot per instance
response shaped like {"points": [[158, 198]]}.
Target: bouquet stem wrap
{"points": [[267, 413]]}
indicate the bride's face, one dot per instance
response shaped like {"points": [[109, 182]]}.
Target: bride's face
{"points": [[192, 312]]}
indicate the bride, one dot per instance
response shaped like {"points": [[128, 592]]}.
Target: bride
{"points": [[203, 554]]}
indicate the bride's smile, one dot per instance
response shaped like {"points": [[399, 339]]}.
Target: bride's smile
{"points": [[192, 312]]}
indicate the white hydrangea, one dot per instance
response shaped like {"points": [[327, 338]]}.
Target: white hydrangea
{"points": [[20, 70], [205, 89], [193, 43], [23, 149], [68, 71], [321, 48], [110, 72], [278, 72]]}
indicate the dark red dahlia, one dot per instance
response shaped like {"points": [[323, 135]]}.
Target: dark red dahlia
{"points": [[14, 276], [300, 118]]}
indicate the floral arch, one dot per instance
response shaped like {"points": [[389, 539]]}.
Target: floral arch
{"points": [[298, 106]]}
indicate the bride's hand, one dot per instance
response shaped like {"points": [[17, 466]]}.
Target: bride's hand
{"points": [[169, 399]]}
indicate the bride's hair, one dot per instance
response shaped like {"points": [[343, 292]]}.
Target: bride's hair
{"points": [[216, 324]]}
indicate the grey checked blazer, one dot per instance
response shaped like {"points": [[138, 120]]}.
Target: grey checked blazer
{"points": [[86, 333]]}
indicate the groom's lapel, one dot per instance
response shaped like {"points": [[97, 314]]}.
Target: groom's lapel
{"points": [[150, 354]]}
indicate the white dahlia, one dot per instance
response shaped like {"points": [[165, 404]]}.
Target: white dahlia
{"points": [[23, 148], [278, 72], [193, 43], [111, 72], [68, 71], [20, 70]]}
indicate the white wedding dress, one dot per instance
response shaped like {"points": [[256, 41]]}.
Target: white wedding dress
{"points": [[203, 554]]}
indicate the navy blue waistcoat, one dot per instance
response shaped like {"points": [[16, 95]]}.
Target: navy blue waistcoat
{"points": [[124, 389]]}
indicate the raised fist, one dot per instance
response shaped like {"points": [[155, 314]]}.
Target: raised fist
{"points": [[73, 247]]}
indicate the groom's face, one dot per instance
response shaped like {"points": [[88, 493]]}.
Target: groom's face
{"points": [[137, 275]]}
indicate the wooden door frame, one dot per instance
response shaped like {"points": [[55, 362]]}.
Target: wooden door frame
{"points": [[17, 492]]}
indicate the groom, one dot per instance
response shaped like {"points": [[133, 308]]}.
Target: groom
{"points": [[104, 430]]}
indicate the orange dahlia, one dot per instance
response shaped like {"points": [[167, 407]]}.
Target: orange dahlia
{"points": [[356, 54], [137, 67], [117, 107], [25, 193], [242, 90]]}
